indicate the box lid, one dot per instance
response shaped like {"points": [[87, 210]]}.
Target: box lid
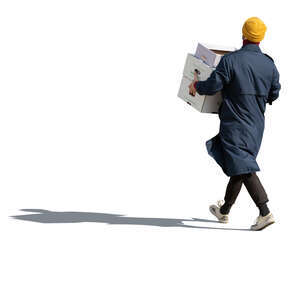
{"points": [[219, 47]]}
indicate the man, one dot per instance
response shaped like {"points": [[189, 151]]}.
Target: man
{"points": [[248, 79]]}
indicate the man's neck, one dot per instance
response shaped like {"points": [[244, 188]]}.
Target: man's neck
{"points": [[246, 42]]}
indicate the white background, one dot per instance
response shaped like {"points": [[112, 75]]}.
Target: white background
{"points": [[90, 122]]}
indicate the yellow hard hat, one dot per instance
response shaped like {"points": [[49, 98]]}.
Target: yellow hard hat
{"points": [[254, 29]]}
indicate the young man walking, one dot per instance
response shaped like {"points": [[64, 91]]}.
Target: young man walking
{"points": [[248, 80]]}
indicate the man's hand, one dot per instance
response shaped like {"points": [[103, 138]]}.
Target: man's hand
{"points": [[192, 89], [191, 86]]}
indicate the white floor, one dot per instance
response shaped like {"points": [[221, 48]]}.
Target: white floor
{"points": [[147, 250]]}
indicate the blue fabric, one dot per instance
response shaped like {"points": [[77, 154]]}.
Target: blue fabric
{"points": [[248, 80]]}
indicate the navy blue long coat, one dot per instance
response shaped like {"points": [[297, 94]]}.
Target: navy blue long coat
{"points": [[248, 80]]}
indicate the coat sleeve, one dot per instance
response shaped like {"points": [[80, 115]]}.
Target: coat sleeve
{"points": [[275, 87], [217, 79]]}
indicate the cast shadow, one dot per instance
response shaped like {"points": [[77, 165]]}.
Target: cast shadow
{"points": [[47, 216]]}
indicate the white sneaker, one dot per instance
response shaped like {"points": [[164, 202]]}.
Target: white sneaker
{"points": [[215, 210], [263, 222]]}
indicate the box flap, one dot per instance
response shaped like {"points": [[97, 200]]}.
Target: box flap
{"points": [[219, 48]]}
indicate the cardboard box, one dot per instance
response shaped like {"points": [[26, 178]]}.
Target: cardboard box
{"points": [[202, 103], [204, 66]]}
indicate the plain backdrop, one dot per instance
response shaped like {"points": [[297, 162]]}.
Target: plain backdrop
{"points": [[90, 123]]}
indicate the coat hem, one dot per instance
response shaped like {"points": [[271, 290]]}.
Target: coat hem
{"points": [[243, 171]]}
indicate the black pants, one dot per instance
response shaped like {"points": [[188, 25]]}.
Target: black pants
{"points": [[254, 188]]}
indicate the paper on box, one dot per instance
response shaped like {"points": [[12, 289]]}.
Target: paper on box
{"points": [[211, 54]]}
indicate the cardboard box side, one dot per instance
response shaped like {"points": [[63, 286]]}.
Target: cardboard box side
{"points": [[212, 103], [193, 63], [183, 93]]}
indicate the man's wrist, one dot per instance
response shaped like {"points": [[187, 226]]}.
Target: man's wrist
{"points": [[195, 83]]}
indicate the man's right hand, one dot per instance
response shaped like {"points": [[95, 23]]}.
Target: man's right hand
{"points": [[192, 89]]}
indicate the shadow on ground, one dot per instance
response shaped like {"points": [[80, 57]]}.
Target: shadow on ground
{"points": [[47, 216]]}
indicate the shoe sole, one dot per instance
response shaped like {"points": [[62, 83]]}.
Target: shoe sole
{"points": [[264, 226]]}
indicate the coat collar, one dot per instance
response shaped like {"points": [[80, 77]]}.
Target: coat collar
{"points": [[251, 47]]}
